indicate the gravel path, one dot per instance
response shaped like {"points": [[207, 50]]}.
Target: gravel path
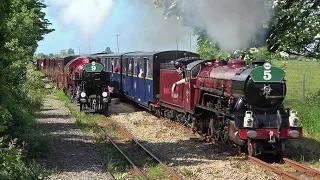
{"points": [[74, 154], [176, 146]]}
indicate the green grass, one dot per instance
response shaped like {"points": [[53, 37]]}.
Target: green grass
{"points": [[157, 172], [308, 111], [294, 75]]}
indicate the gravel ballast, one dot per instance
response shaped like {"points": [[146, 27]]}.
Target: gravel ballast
{"points": [[178, 147], [74, 155]]}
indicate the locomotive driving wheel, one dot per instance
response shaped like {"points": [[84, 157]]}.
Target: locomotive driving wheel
{"points": [[225, 135], [214, 128]]}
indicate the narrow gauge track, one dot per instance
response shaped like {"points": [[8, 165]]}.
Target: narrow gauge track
{"points": [[173, 175], [285, 175], [299, 167]]}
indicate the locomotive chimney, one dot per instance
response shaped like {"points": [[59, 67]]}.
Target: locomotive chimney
{"points": [[258, 63], [217, 62]]}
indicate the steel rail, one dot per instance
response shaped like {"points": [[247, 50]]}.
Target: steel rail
{"points": [[174, 176], [283, 174], [137, 170], [302, 168]]}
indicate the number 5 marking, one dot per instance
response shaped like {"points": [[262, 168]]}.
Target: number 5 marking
{"points": [[267, 75]]}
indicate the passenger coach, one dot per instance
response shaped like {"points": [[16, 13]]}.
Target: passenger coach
{"points": [[136, 75]]}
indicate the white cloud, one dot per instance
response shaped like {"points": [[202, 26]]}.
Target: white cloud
{"points": [[87, 15]]}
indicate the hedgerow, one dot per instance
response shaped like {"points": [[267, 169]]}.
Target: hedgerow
{"points": [[21, 89]]}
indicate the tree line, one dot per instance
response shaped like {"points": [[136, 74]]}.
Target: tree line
{"points": [[22, 26], [65, 52]]}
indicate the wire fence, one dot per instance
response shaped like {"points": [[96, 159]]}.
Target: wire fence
{"points": [[302, 86]]}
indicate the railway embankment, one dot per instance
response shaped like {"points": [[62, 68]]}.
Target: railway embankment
{"points": [[75, 154]]}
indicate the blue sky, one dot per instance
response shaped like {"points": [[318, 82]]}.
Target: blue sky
{"points": [[139, 25]]}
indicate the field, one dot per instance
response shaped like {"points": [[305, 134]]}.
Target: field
{"points": [[309, 110]]}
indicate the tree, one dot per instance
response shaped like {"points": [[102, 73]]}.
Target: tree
{"points": [[63, 52], [26, 25], [41, 55], [22, 25], [71, 51], [108, 50], [295, 27]]}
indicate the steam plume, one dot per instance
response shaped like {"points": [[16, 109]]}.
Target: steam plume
{"points": [[146, 28], [233, 23]]}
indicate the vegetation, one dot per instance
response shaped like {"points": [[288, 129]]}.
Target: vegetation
{"points": [[21, 89], [107, 50], [65, 52], [308, 110]]}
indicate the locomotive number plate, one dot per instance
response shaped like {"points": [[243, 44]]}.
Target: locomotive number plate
{"points": [[267, 73]]}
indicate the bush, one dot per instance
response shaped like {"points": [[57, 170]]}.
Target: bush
{"points": [[21, 94], [13, 166]]}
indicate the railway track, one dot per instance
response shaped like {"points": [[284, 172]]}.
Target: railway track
{"points": [[287, 162], [140, 172], [301, 168], [297, 167]]}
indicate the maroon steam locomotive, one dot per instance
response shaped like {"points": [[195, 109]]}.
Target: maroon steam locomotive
{"points": [[230, 101]]}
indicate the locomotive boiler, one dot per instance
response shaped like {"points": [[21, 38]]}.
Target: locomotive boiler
{"points": [[231, 102]]}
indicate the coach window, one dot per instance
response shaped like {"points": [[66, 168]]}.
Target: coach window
{"points": [[106, 65], [117, 65], [130, 65], [141, 68], [135, 69], [195, 71], [124, 65], [110, 64], [149, 68]]}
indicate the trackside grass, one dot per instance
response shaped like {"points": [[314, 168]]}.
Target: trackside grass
{"points": [[309, 110]]}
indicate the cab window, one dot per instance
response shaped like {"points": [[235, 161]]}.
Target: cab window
{"points": [[149, 68], [187, 77], [195, 71]]}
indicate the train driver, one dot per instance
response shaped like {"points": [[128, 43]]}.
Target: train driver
{"points": [[180, 68]]}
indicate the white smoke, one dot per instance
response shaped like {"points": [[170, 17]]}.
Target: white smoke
{"points": [[233, 23], [146, 28], [87, 15]]}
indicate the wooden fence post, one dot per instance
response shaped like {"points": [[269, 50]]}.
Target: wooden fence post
{"points": [[303, 87]]}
